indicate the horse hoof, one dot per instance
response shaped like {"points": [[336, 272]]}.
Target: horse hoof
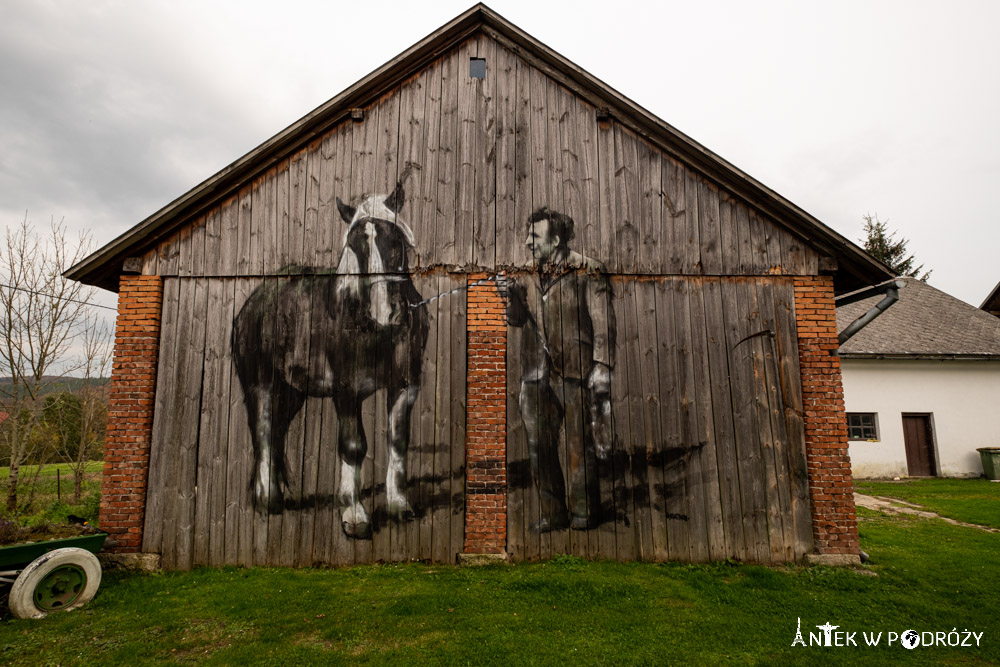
{"points": [[401, 512], [357, 531]]}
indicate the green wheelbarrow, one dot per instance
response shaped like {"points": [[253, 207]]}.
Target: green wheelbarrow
{"points": [[53, 575]]}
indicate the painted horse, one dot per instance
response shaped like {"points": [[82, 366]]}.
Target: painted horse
{"points": [[342, 334]]}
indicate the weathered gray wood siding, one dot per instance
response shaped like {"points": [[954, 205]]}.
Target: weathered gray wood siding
{"points": [[476, 156], [708, 459]]}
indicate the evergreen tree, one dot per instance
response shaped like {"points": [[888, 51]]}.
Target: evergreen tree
{"points": [[883, 246]]}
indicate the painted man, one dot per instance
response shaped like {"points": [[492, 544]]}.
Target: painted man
{"points": [[567, 358]]}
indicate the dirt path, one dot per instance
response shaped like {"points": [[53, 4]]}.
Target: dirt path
{"points": [[896, 506]]}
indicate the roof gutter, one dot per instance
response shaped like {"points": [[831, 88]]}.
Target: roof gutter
{"points": [[891, 291]]}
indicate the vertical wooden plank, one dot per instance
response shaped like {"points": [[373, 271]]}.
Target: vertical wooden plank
{"points": [[457, 419], [673, 450], [150, 263], [194, 296], [749, 263], [309, 437], [624, 515], [709, 228], [229, 243], [425, 225], [213, 242], [213, 429], [442, 472], [650, 248], [185, 258], [162, 453], [295, 233], [326, 237], [240, 513], [772, 240], [627, 196], [730, 235], [649, 336], [725, 434], [790, 384], [775, 454], [237, 442], [524, 162], [505, 218], [258, 225], [519, 484], [640, 324], [693, 409], [485, 159], [690, 470], [310, 220], [283, 216], [413, 163], [748, 450], [446, 203], [673, 214], [607, 212], [270, 232], [220, 308], [692, 225], [243, 260], [582, 134], [542, 178], [711, 542]]}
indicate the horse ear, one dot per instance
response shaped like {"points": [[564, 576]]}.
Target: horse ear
{"points": [[394, 202], [346, 212]]}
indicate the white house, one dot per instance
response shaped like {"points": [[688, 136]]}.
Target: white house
{"points": [[921, 385]]}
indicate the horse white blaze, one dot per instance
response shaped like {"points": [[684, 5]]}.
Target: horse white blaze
{"points": [[379, 297]]}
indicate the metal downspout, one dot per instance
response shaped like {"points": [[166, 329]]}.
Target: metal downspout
{"points": [[891, 291]]}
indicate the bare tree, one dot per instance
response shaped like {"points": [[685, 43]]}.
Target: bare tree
{"points": [[41, 316], [81, 416]]}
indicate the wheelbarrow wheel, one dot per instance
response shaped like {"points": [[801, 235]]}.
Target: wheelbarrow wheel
{"points": [[59, 580]]}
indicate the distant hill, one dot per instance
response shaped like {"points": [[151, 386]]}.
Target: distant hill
{"points": [[54, 385]]}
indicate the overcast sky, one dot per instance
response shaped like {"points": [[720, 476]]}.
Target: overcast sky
{"points": [[111, 109]]}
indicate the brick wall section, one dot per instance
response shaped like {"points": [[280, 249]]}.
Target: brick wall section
{"points": [[486, 420], [831, 485], [130, 411]]}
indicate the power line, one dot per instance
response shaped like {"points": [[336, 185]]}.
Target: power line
{"points": [[61, 298]]}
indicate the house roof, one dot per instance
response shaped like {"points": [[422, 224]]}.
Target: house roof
{"points": [[924, 323], [992, 302], [854, 267]]}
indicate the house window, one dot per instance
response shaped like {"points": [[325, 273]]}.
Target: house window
{"points": [[862, 426]]}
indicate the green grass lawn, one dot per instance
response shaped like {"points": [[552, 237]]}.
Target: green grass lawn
{"points": [[925, 575], [969, 500], [53, 498]]}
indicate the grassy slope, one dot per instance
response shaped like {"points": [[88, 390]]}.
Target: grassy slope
{"points": [[930, 576], [969, 500]]}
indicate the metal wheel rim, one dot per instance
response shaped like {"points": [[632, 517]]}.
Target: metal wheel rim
{"points": [[60, 588]]}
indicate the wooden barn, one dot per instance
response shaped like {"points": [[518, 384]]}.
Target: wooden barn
{"points": [[478, 303]]}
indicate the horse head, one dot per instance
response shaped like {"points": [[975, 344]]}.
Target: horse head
{"points": [[376, 248]]}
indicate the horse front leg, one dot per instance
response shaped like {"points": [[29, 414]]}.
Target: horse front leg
{"points": [[352, 448], [399, 440]]}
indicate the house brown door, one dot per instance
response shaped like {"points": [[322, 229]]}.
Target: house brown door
{"points": [[919, 442]]}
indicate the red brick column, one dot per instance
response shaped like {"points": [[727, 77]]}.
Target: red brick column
{"points": [[486, 420], [130, 411], [831, 485]]}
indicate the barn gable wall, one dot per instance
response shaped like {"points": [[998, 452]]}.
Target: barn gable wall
{"points": [[706, 434], [476, 157]]}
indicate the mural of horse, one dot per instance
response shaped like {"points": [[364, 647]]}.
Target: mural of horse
{"points": [[342, 334]]}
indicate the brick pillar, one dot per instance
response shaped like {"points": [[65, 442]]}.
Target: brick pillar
{"points": [[831, 485], [486, 420], [130, 411]]}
